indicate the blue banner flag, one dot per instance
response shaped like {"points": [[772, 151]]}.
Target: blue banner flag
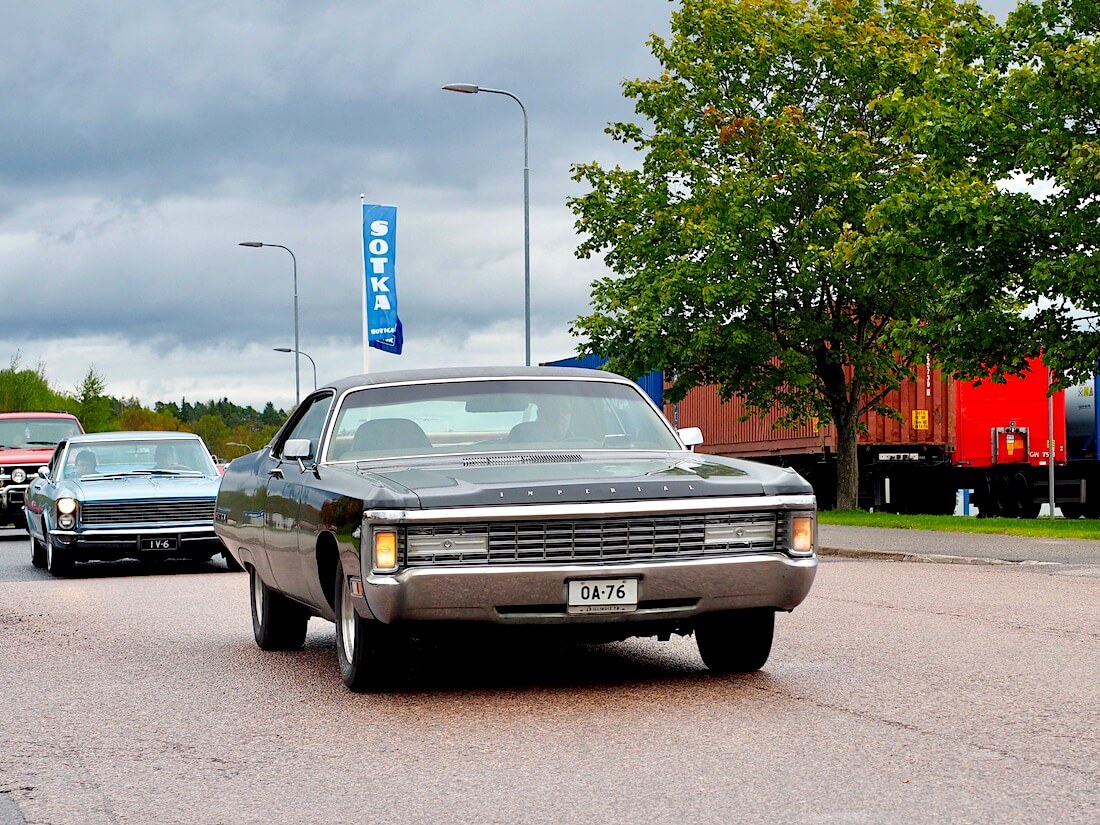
{"points": [[379, 249]]}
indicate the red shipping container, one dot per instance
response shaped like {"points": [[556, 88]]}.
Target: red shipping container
{"points": [[1008, 423]]}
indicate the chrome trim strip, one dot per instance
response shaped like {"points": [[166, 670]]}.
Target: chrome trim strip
{"points": [[148, 531], [595, 509]]}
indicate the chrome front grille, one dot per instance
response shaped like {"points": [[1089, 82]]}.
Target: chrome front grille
{"points": [[591, 541], [150, 511]]}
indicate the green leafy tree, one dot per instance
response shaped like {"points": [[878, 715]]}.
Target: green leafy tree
{"points": [[272, 417], [1047, 114], [136, 417], [783, 239], [93, 406], [27, 390], [213, 430]]}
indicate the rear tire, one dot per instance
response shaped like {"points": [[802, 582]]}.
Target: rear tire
{"points": [[365, 648], [277, 622], [735, 641]]}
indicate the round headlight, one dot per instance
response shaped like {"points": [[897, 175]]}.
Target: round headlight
{"points": [[18, 476], [66, 505], [67, 521]]}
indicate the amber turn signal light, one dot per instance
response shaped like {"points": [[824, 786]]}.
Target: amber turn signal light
{"points": [[802, 535], [385, 550]]}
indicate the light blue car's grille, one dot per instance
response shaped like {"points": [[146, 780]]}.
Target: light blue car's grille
{"points": [[599, 541], [148, 511]]}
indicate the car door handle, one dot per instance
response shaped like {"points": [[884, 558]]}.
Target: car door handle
{"points": [[275, 472]]}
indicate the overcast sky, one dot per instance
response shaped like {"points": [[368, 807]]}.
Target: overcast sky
{"points": [[143, 141]]}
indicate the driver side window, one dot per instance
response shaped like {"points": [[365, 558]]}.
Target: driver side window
{"points": [[310, 424]]}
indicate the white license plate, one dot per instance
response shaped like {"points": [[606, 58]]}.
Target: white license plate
{"points": [[603, 595]]}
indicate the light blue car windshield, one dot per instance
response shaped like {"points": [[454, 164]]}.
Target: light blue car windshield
{"points": [[175, 456]]}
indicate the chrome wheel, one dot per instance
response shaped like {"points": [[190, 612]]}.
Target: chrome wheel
{"points": [[366, 650], [348, 622], [259, 598]]}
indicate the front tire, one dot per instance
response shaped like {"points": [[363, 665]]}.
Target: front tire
{"points": [[735, 641], [59, 562], [231, 564], [38, 553], [364, 647], [277, 622]]}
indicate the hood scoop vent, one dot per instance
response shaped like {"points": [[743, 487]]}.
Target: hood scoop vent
{"points": [[524, 458]]}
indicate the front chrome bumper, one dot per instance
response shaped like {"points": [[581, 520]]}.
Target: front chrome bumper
{"points": [[537, 594], [114, 543]]}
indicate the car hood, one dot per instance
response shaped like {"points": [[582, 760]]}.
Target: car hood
{"points": [[143, 487], [578, 477], [36, 456]]}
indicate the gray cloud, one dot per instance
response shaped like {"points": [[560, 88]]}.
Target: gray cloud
{"points": [[144, 141]]}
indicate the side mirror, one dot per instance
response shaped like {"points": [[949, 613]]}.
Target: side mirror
{"points": [[43, 472], [298, 448], [691, 436]]}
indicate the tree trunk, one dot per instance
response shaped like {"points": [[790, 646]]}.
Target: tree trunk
{"points": [[847, 463]]}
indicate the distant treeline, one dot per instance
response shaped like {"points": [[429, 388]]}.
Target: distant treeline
{"points": [[224, 426]]}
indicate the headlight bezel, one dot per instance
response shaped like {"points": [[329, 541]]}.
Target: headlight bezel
{"points": [[67, 509]]}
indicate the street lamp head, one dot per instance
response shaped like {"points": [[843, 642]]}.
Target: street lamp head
{"points": [[464, 88], [282, 349], [250, 243]]}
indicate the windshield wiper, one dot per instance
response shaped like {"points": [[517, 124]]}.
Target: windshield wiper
{"points": [[158, 472], [46, 443]]}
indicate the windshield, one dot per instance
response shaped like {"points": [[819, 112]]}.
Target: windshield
{"points": [[473, 417], [36, 432], [161, 456]]}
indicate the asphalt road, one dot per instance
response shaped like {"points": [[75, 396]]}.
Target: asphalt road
{"points": [[896, 693]]}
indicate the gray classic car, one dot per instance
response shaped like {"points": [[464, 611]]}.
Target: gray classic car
{"points": [[410, 503], [137, 495]]}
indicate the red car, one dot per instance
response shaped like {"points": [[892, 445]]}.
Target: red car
{"points": [[27, 440]]}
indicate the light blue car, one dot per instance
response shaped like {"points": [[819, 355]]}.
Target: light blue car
{"points": [[123, 495]]}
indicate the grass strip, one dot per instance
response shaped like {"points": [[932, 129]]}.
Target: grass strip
{"points": [[1042, 527]]}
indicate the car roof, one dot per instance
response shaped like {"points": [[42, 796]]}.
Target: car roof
{"points": [[136, 435], [32, 414], [470, 373]]}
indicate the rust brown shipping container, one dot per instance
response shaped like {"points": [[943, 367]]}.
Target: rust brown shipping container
{"points": [[926, 405]]}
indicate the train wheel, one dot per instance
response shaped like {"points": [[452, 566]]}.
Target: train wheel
{"points": [[1023, 498], [1002, 498]]}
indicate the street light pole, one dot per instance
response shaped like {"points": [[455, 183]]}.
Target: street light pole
{"points": [[307, 355], [297, 379], [473, 89]]}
